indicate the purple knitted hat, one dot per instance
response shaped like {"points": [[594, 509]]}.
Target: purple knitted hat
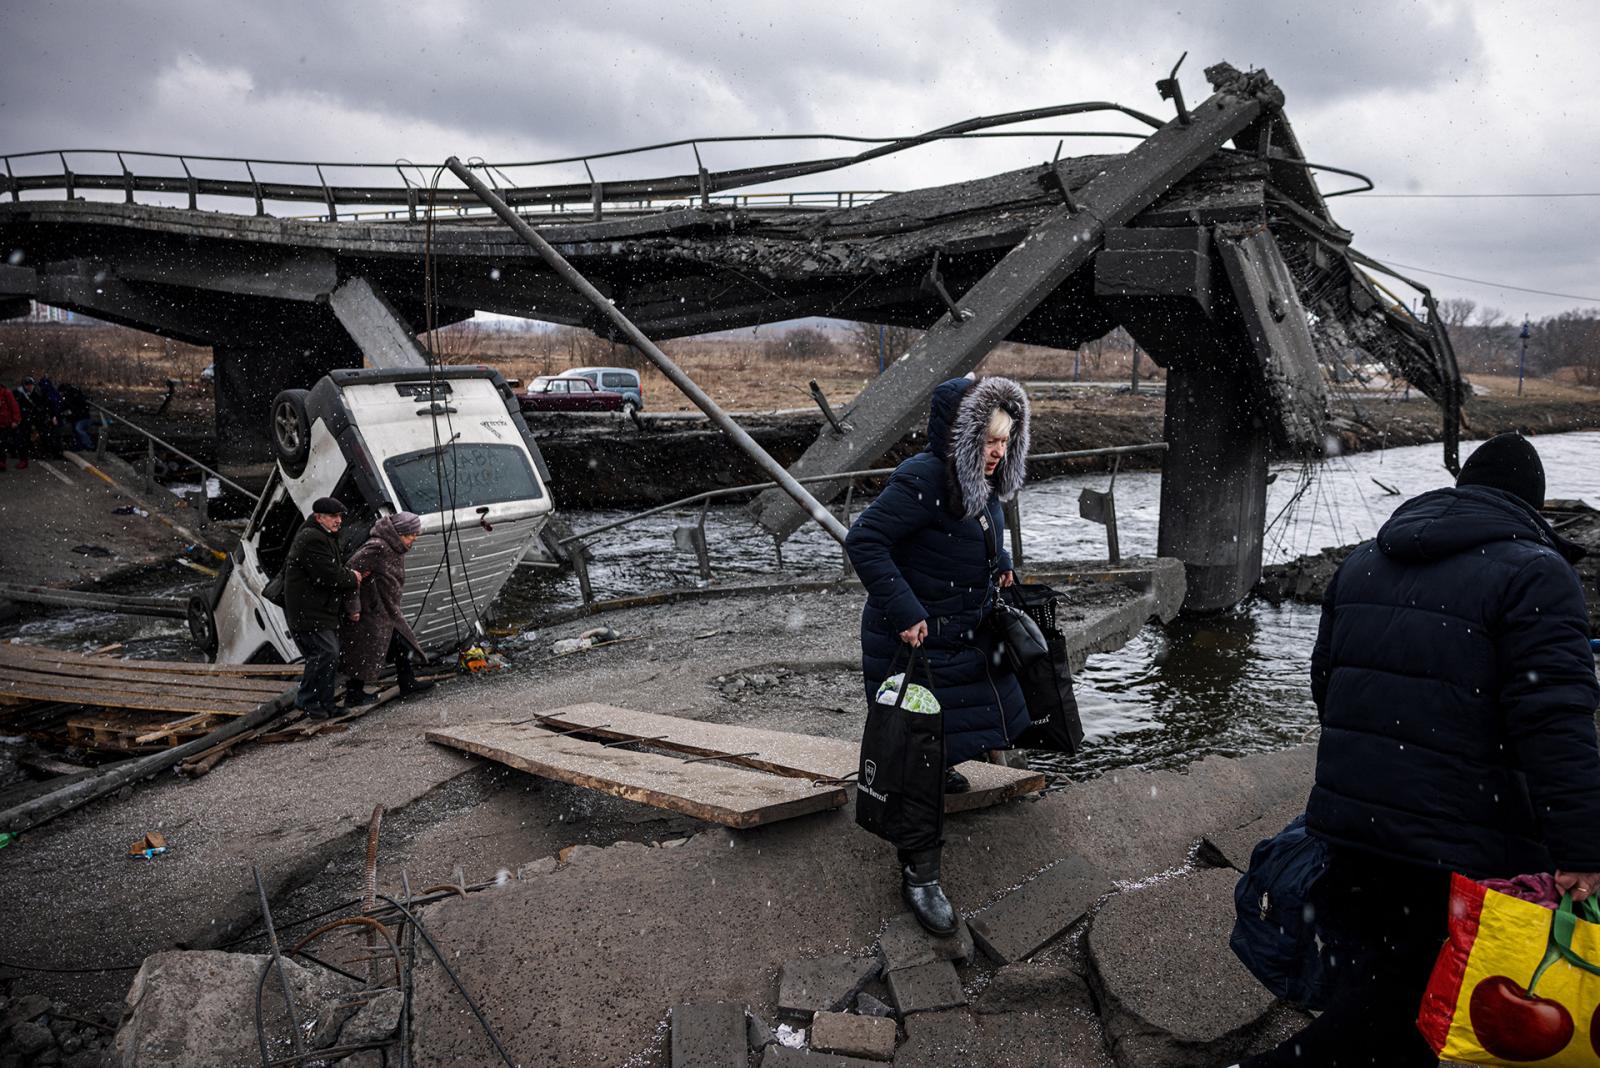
{"points": [[406, 523]]}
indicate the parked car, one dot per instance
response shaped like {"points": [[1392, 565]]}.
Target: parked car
{"points": [[620, 379], [448, 444], [561, 394]]}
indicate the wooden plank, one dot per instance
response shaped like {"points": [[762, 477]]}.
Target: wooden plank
{"points": [[25, 654], [149, 702], [733, 797], [186, 685], [804, 756], [119, 694], [125, 730]]}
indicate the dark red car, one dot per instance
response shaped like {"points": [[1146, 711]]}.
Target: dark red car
{"points": [[552, 394]]}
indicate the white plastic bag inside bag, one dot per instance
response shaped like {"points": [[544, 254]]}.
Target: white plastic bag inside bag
{"points": [[918, 698]]}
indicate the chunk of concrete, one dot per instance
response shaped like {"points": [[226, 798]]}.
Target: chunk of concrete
{"points": [[198, 1007], [867, 1005], [760, 1035], [784, 1057], [926, 988], [377, 1020], [1170, 990], [905, 943], [1030, 987], [31, 1037], [941, 1040], [1025, 920], [710, 1035], [824, 984], [27, 1007], [871, 1037]]}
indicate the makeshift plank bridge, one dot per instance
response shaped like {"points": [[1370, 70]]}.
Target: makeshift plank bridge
{"points": [[128, 705], [735, 776]]}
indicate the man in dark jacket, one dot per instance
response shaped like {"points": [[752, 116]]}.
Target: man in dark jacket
{"points": [[315, 583], [1456, 688]]}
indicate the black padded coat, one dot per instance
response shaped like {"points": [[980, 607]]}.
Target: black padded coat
{"points": [[1456, 688]]}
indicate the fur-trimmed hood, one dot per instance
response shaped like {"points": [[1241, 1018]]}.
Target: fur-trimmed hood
{"points": [[958, 423]]}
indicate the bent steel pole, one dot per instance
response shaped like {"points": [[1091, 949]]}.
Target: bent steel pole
{"points": [[690, 388]]}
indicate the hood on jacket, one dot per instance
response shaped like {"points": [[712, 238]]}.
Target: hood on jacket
{"points": [[384, 530], [1444, 522], [958, 424]]}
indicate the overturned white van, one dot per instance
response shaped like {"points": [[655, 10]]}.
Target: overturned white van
{"points": [[448, 443]]}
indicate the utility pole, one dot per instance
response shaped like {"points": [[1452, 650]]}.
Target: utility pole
{"points": [[1522, 364], [1134, 385]]}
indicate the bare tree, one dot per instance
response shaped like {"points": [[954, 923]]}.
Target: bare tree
{"points": [[870, 340], [1456, 311]]}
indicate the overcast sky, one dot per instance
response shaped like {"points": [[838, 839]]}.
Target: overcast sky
{"points": [[1437, 97]]}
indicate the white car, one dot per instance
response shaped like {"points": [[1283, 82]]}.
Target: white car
{"points": [[449, 444]]}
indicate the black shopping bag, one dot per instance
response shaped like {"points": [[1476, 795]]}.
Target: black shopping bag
{"points": [[1053, 720], [900, 786]]}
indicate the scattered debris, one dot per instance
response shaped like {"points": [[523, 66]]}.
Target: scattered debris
{"points": [[151, 845]]}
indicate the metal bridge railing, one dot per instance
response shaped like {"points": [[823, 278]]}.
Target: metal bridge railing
{"points": [[693, 537], [151, 441], [405, 186]]}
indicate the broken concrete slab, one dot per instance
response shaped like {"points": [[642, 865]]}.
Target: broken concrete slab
{"points": [[1026, 919], [375, 1021], [784, 1057], [1170, 991], [198, 1007], [757, 1030], [867, 1005], [871, 1037], [824, 984], [926, 988], [1231, 846], [1034, 987], [709, 1035], [940, 1040], [905, 943]]}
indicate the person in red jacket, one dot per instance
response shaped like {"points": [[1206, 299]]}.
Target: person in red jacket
{"points": [[11, 429]]}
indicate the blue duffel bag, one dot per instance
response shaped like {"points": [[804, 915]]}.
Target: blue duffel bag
{"points": [[1275, 927]]}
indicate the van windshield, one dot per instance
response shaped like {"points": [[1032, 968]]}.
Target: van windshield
{"points": [[465, 475]]}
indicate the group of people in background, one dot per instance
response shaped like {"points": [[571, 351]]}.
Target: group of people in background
{"points": [[37, 418]]}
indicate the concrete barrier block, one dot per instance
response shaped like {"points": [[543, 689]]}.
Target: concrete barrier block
{"points": [[906, 944], [823, 984]]}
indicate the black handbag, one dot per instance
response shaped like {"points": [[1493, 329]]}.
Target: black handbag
{"points": [[1053, 720], [273, 591], [900, 781], [1017, 634]]}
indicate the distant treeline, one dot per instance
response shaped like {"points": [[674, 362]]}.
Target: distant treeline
{"points": [[1565, 345]]}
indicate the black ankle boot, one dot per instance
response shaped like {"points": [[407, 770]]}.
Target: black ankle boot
{"points": [[406, 675], [356, 694], [919, 886]]}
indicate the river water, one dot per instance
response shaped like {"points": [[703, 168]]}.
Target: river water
{"points": [[1229, 684]]}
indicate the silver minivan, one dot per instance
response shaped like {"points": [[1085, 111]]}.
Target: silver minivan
{"points": [[617, 379]]}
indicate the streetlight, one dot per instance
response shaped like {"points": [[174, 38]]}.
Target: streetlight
{"points": [[1523, 362]]}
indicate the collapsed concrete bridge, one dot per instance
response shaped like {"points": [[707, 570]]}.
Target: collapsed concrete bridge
{"points": [[1209, 240]]}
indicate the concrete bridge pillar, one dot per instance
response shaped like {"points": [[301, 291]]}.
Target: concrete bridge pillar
{"points": [[1214, 484]]}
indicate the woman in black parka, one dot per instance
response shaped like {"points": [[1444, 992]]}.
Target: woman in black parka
{"points": [[930, 551]]}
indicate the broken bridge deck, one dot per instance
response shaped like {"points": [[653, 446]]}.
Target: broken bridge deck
{"points": [[765, 760]]}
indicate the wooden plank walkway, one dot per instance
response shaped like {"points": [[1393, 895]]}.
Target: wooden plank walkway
{"points": [[133, 704], [803, 756], [731, 796]]}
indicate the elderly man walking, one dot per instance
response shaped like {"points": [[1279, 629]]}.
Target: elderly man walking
{"points": [[1456, 688], [315, 584]]}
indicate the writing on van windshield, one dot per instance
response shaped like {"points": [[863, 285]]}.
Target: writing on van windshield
{"points": [[463, 475]]}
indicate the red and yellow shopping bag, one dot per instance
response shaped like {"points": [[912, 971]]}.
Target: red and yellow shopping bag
{"points": [[1516, 983]]}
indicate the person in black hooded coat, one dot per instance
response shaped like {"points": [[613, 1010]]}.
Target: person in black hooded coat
{"points": [[930, 551], [1456, 689]]}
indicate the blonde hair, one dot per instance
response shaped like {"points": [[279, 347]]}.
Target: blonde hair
{"points": [[1000, 423]]}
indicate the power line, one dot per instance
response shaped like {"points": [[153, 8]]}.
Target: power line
{"points": [[1486, 282], [1471, 196]]}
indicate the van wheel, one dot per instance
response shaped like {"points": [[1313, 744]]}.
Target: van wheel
{"points": [[630, 409], [291, 431], [202, 625]]}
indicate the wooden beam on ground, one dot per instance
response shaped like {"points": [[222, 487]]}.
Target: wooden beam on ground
{"points": [[23, 655], [50, 688], [802, 756], [143, 681], [733, 797]]}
